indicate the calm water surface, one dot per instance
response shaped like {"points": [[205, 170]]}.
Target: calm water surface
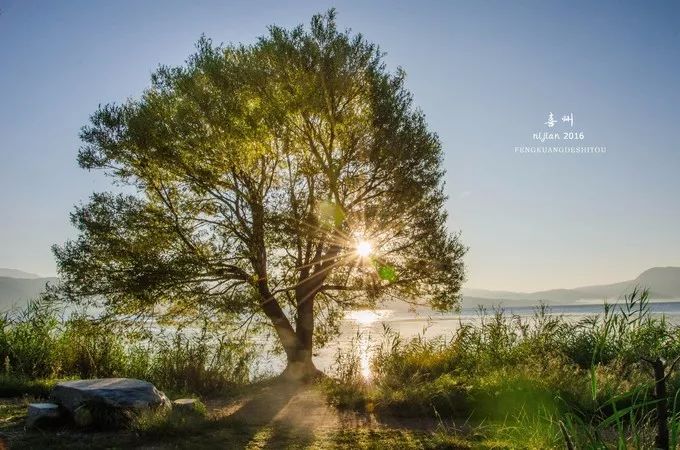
{"points": [[365, 329]]}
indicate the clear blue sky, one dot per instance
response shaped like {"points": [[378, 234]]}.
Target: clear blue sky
{"points": [[485, 73]]}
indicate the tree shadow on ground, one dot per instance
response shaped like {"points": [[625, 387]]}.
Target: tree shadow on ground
{"points": [[276, 415], [285, 436], [258, 421], [262, 408]]}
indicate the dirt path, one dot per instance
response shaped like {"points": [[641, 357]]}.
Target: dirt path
{"points": [[301, 407], [284, 415], [272, 416]]}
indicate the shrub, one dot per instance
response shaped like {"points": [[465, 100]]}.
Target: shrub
{"points": [[36, 343], [583, 378], [27, 341]]}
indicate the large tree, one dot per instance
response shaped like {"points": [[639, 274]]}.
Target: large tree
{"points": [[291, 179]]}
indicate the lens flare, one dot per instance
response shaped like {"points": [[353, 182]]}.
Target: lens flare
{"points": [[364, 248]]}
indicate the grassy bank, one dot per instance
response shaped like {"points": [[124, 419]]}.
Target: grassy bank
{"points": [[542, 382], [504, 382], [39, 346]]}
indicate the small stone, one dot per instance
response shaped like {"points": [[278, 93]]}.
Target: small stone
{"points": [[39, 413], [186, 403], [193, 405]]}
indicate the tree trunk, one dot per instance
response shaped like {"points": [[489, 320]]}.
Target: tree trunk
{"points": [[300, 364], [301, 369], [304, 324], [296, 343], [284, 330]]}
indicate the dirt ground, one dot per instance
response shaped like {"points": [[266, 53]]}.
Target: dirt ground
{"points": [[277, 415]]}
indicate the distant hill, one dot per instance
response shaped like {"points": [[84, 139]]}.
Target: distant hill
{"points": [[17, 291], [662, 282], [14, 273]]}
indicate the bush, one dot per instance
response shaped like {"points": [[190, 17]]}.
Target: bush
{"points": [[28, 341], [586, 378], [36, 343], [13, 386], [90, 349]]}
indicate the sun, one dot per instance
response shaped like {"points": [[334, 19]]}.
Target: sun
{"points": [[364, 248]]}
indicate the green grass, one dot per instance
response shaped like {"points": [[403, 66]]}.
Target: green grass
{"points": [[511, 382], [210, 434], [37, 343], [200, 430], [12, 386], [540, 380]]}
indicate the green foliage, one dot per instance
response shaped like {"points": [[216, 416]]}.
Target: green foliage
{"points": [[89, 349], [254, 170], [35, 343], [348, 385], [27, 340], [544, 379], [16, 386], [172, 421], [196, 364]]}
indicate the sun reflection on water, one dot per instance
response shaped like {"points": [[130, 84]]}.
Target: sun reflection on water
{"points": [[366, 316], [365, 320], [365, 355]]}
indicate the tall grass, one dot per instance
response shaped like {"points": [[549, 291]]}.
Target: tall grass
{"points": [[36, 343], [558, 381]]}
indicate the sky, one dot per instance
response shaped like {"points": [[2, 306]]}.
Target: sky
{"points": [[486, 74]]}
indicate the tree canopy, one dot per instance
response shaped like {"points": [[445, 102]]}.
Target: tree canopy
{"points": [[257, 179]]}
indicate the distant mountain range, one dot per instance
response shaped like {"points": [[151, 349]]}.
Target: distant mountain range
{"points": [[17, 287], [662, 282], [14, 273]]}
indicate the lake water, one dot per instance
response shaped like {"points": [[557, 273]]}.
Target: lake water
{"points": [[365, 329]]}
